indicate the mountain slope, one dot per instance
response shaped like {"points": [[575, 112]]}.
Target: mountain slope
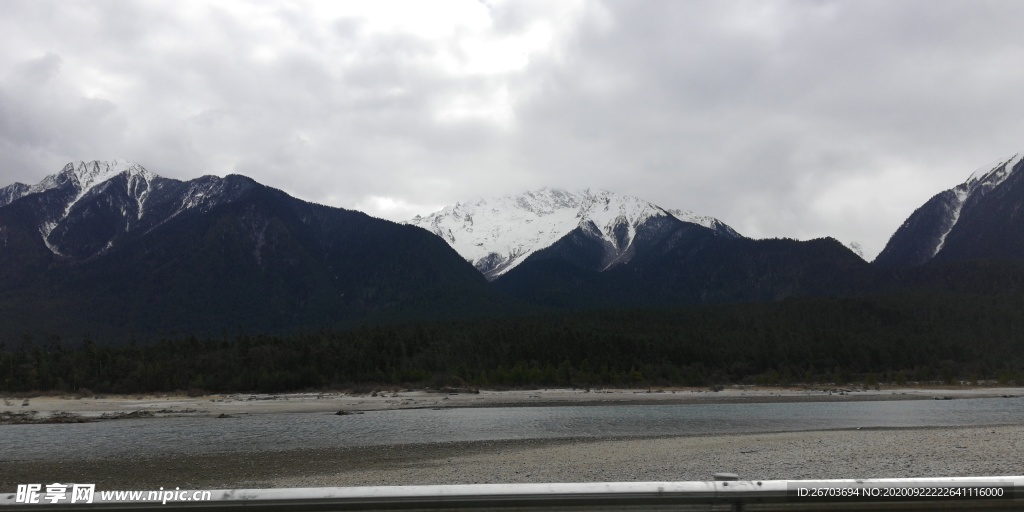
{"points": [[709, 222], [675, 262], [496, 235], [977, 219], [123, 252]]}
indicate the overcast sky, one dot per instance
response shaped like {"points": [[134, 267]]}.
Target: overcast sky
{"points": [[783, 119]]}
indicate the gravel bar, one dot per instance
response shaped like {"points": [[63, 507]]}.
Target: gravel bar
{"points": [[863, 453]]}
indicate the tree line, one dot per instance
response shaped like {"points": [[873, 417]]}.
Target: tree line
{"points": [[909, 337]]}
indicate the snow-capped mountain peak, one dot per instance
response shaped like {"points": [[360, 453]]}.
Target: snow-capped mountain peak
{"points": [[125, 195], [90, 174], [75, 181], [608, 211], [81, 176], [497, 234]]}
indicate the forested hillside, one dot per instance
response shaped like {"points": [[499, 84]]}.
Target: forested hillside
{"points": [[915, 337]]}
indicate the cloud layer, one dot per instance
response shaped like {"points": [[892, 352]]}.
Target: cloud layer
{"points": [[797, 119]]}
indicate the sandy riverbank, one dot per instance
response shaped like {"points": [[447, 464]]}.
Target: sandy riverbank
{"points": [[868, 453], [233, 404]]}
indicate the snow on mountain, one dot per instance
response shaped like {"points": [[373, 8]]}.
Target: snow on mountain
{"points": [[136, 197], [77, 180], [88, 175], [708, 222], [12, 192], [497, 234], [83, 176], [981, 181], [972, 212]]}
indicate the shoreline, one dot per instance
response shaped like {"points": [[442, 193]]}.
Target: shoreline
{"points": [[815, 454], [112, 407], [867, 452]]}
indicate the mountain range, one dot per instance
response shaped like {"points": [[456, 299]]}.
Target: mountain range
{"points": [[592, 248], [111, 250]]}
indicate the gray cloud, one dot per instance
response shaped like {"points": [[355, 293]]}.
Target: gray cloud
{"points": [[797, 119]]}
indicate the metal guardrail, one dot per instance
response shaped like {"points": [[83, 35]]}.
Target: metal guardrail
{"points": [[964, 493]]}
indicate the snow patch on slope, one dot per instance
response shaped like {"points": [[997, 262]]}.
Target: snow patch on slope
{"points": [[992, 176], [201, 193], [706, 221], [82, 178], [960, 198], [12, 192], [982, 181]]}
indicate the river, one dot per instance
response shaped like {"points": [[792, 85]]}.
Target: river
{"points": [[270, 432]]}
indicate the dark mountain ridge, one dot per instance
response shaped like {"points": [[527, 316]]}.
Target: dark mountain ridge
{"points": [[110, 250], [979, 219], [672, 262], [138, 255]]}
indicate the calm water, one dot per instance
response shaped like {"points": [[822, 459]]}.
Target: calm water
{"points": [[321, 430]]}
